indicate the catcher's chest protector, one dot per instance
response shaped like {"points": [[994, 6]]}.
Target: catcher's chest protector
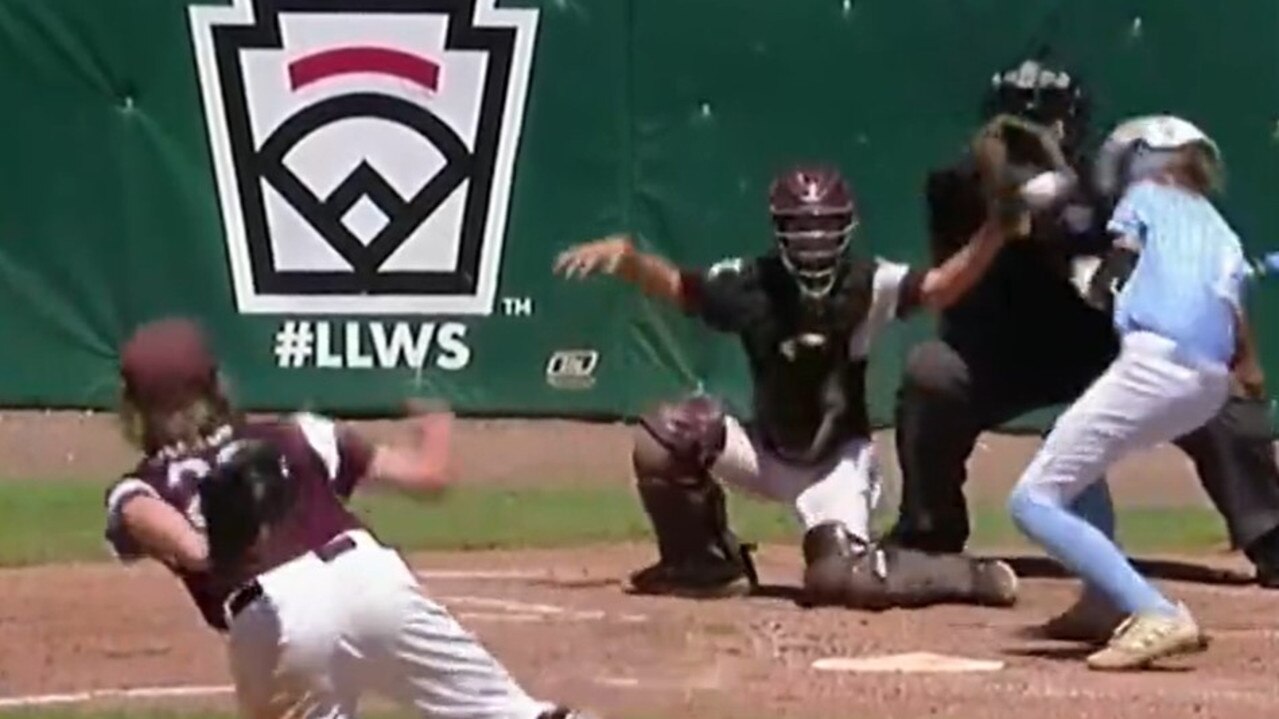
{"points": [[802, 361]]}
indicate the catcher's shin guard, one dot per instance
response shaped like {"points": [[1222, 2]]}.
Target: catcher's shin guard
{"points": [[842, 570], [699, 555]]}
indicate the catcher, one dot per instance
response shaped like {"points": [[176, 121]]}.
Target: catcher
{"points": [[251, 517], [1029, 335], [807, 314]]}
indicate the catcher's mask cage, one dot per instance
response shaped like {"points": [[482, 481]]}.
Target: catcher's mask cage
{"points": [[814, 218], [1042, 94], [1144, 146]]}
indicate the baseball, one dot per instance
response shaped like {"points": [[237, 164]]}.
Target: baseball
{"points": [[1046, 188]]}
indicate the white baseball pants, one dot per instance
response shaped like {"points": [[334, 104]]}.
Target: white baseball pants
{"points": [[845, 488], [323, 633], [1148, 395]]}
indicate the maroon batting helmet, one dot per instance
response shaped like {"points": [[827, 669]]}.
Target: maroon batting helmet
{"points": [[813, 219], [166, 364]]}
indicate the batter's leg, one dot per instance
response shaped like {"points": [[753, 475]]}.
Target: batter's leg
{"points": [[1144, 398], [1234, 455], [698, 553]]}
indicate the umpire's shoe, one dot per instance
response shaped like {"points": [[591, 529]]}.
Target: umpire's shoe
{"points": [[703, 578], [1264, 555]]}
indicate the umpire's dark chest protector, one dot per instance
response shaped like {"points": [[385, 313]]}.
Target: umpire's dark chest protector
{"points": [[809, 378]]}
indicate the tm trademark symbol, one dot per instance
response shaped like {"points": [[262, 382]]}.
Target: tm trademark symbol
{"points": [[517, 306]]}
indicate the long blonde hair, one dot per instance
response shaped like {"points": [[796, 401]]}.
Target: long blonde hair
{"points": [[1196, 167], [187, 425]]}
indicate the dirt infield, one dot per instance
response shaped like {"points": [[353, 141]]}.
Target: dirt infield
{"points": [[564, 624]]}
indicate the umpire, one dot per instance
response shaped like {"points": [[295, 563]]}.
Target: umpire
{"points": [[1023, 339]]}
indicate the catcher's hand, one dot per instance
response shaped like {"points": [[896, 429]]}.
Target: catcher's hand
{"points": [[1012, 154], [247, 493], [601, 256]]}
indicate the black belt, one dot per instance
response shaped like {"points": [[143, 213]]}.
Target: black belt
{"points": [[249, 593]]}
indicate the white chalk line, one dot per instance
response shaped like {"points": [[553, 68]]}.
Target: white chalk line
{"points": [[515, 608], [448, 574], [33, 700]]}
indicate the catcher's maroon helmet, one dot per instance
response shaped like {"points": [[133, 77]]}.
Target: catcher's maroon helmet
{"points": [[813, 219], [166, 364]]}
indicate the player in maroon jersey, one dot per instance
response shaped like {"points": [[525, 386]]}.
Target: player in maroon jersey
{"points": [[320, 611]]}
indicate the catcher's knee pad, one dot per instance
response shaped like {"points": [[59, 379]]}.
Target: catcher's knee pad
{"points": [[839, 569], [674, 448], [680, 440]]}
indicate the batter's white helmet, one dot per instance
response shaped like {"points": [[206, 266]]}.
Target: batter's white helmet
{"points": [[1142, 145]]}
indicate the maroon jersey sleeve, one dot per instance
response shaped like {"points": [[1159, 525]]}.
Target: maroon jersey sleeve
{"points": [[121, 544], [345, 454]]}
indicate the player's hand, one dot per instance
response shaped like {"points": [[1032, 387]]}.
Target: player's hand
{"points": [[605, 256], [433, 423]]}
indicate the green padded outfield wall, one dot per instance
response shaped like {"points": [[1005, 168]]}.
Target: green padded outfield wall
{"points": [[362, 199]]}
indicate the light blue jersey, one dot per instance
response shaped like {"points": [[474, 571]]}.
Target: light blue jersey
{"points": [[1190, 273]]}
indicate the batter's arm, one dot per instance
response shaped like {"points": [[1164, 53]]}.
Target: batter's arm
{"points": [[164, 533], [944, 284], [617, 256]]}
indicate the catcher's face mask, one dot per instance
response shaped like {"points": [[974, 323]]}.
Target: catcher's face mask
{"points": [[813, 221]]}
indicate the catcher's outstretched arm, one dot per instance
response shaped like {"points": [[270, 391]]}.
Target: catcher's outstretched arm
{"points": [[945, 284], [655, 276], [165, 533]]}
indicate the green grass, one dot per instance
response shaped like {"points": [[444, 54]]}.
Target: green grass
{"points": [[44, 522]]}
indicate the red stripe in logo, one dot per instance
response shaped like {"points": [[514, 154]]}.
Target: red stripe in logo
{"points": [[377, 60]]}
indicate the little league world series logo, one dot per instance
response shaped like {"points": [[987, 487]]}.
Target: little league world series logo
{"points": [[364, 149], [364, 153]]}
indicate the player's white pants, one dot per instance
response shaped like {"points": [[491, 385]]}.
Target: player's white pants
{"points": [[1148, 395], [845, 488], [326, 632]]}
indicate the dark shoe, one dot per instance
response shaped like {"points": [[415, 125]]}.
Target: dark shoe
{"points": [[696, 580], [1091, 619], [1268, 577], [565, 713], [1264, 555]]}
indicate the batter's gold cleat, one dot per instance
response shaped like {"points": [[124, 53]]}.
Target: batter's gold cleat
{"points": [[1090, 619], [1143, 639]]}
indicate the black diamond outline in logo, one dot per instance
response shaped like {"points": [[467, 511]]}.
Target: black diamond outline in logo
{"points": [[252, 166]]}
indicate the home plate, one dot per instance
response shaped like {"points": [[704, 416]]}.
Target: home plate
{"points": [[912, 662]]}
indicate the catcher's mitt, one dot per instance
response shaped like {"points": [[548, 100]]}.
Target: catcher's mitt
{"points": [[249, 491], [1010, 151]]}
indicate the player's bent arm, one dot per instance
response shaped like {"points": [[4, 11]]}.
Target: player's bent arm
{"points": [[421, 467], [944, 284], [164, 533]]}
